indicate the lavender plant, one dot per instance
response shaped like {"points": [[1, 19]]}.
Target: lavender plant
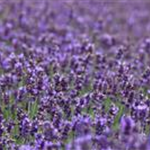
{"points": [[74, 75]]}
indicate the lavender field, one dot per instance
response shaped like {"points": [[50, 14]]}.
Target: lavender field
{"points": [[74, 75]]}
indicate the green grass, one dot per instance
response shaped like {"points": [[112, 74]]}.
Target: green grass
{"points": [[32, 108], [119, 115], [107, 103]]}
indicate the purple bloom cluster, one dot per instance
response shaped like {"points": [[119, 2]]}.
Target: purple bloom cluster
{"points": [[74, 75]]}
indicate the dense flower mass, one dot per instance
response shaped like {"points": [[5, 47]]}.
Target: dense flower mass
{"points": [[74, 75]]}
